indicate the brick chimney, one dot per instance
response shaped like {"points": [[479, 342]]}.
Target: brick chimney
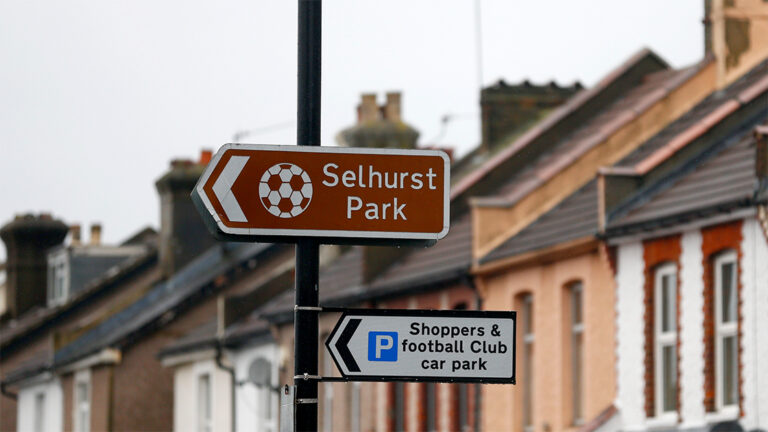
{"points": [[736, 34], [76, 234], [509, 109], [183, 236], [95, 234], [27, 238], [379, 126], [392, 107]]}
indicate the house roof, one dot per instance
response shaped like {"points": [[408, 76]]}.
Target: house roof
{"points": [[712, 103], [718, 181], [341, 282], [577, 216], [30, 367], [165, 297], [450, 257], [573, 112], [14, 331], [606, 121], [574, 218]]}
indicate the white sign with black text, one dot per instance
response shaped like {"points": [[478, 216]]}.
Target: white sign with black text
{"points": [[425, 345]]}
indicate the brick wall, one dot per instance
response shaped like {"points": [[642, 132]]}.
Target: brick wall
{"points": [[717, 239], [656, 252]]}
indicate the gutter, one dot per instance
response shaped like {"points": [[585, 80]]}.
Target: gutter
{"points": [[546, 254], [107, 356], [7, 393]]}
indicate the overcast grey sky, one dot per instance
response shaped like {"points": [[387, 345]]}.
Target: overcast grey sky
{"points": [[96, 97]]}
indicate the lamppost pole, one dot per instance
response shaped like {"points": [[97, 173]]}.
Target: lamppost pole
{"points": [[307, 250]]}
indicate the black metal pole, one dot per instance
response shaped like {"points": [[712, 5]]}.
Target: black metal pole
{"points": [[307, 250]]}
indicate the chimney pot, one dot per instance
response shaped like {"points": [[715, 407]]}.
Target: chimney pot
{"points": [[392, 108], [95, 234], [205, 156], [74, 230], [27, 239], [368, 110]]}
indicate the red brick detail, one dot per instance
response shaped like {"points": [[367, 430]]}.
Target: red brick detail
{"points": [[656, 252], [611, 253], [717, 239]]}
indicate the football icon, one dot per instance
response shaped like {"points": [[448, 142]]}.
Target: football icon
{"points": [[285, 190]]}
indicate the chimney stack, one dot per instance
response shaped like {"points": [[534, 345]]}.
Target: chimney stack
{"points": [[74, 230], [368, 110], [392, 107], [379, 126], [27, 239], [183, 235], [508, 109], [95, 234], [205, 156]]}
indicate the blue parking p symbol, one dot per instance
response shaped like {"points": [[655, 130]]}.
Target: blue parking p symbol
{"points": [[382, 346]]}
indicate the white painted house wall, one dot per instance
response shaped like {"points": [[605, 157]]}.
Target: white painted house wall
{"points": [[754, 309], [185, 396], [52, 415], [251, 400], [629, 331], [754, 341], [691, 330]]}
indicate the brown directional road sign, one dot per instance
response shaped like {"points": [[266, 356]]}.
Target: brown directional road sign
{"points": [[345, 195]]}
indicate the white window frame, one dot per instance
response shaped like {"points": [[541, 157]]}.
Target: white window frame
{"points": [[79, 407], [528, 341], [577, 367], [723, 330], [58, 277], [267, 413], [663, 339], [204, 423]]}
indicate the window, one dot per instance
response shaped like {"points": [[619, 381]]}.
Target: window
{"points": [[726, 331], [82, 405], [204, 408], [39, 420], [265, 394], [526, 315], [665, 352], [577, 350], [58, 278]]}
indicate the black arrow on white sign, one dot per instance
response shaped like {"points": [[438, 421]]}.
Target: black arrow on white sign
{"points": [[341, 345]]}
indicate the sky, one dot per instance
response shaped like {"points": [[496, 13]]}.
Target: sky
{"points": [[97, 97]]}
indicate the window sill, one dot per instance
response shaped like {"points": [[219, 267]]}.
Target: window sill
{"points": [[665, 420], [725, 414]]}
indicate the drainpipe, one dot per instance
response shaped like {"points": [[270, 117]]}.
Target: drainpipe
{"points": [[7, 393], [478, 387], [233, 382]]}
